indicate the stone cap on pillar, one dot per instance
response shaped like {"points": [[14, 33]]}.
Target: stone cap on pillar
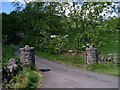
{"points": [[27, 48], [91, 48]]}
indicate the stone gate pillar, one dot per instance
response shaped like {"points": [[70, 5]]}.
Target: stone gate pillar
{"points": [[91, 55], [27, 56]]}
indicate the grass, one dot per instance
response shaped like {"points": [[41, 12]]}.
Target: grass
{"points": [[78, 61], [111, 45], [8, 52], [103, 68], [0, 64], [74, 60], [26, 79]]}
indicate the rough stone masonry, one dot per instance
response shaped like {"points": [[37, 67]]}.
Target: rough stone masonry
{"points": [[10, 70], [27, 56], [91, 55]]}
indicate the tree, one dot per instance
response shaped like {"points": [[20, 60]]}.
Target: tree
{"points": [[10, 28], [84, 24], [84, 21]]}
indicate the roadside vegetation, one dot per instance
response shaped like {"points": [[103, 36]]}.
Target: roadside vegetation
{"points": [[45, 26], [0, 63], [8, 52], [78, 61], [111, 45], [74, 60], [103, 68], [26, 79]]}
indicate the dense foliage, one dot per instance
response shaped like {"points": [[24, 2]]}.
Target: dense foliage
{"points": [[26, 79], [58, 44], [83, 23], [8, 52]]}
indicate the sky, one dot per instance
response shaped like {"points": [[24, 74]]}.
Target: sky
{"points": [[7, 7]]}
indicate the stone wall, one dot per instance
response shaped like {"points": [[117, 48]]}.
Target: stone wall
{"points": [[91, 55], [27, 56], [12, 68], [110, 58]]}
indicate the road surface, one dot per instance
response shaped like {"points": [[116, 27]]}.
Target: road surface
{"points": [[60, 76]]}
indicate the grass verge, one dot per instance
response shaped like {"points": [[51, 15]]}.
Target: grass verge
{"points": [[74, 60], [103, 68], [78, 61], [27, 80]]}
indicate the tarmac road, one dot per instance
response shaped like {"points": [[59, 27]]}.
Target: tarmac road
{"points": [[56, 75]]}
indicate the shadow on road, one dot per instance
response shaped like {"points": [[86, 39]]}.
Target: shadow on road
{"points": [[44, 70]]}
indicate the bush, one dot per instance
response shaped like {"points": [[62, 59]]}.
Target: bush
{"points": [[58, 44], [33, 78], [20, 81], [25, 79], [8, 52]]}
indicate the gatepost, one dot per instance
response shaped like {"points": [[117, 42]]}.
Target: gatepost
{"points": [[27, 56], [91, 55]]}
